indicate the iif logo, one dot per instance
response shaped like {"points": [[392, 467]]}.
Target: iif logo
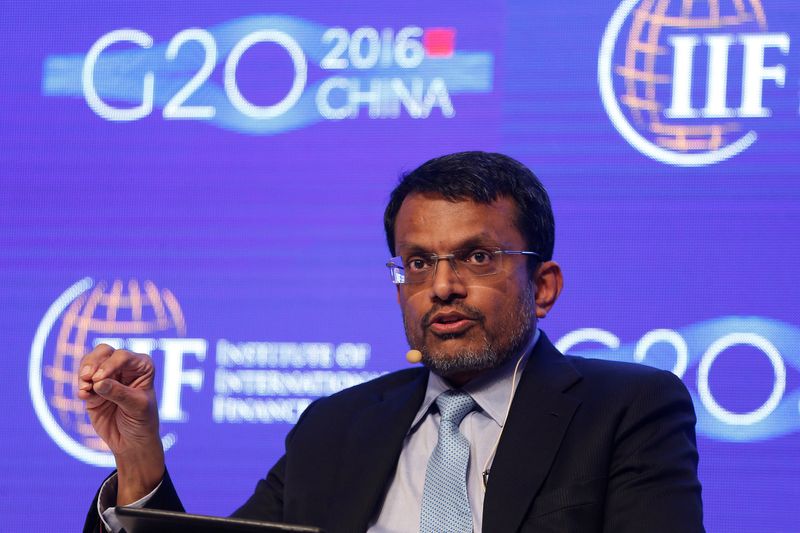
{"points": [[136, 316], [685, 82]]}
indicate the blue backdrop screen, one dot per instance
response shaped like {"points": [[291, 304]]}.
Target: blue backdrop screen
{"points": [[206, 182]]}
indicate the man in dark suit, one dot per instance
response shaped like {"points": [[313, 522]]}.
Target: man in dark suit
{"points": [[584, 445]]}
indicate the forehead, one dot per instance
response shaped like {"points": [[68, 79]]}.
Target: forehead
{"points": [[434, 223]]}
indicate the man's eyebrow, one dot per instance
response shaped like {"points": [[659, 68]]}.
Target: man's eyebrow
{"points": [[479, 241], [411, 248], [474, 241]]}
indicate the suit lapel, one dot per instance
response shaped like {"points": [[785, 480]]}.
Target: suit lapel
{"points": [[371, 451], [540, 415]]}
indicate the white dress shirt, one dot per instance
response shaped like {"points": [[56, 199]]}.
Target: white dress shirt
{"points": [[482, 428]]}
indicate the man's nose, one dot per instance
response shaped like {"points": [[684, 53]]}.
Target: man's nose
{"points": [[447, 284]]}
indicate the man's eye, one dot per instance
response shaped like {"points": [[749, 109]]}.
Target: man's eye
{"points": [[416, 264], [479, 257]]}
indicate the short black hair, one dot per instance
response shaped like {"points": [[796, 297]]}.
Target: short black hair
{"points": [[482, 177]]}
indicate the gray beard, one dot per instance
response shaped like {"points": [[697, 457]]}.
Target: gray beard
{"points": [[491, 354]]}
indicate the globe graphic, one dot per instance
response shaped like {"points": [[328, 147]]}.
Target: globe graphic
{"points": [[646, 70], [115, 311]]}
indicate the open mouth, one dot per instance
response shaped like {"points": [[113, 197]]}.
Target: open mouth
{"points": [[450, 323]]}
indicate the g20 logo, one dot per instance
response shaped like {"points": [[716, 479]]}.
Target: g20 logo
{"points": [[716, 359], [175, 107], [333, 74]]}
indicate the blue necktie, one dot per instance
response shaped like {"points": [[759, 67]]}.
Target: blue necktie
{"points": [[445, 505]]}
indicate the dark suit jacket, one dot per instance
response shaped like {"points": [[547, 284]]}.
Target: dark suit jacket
{"points": [[588, 446]]}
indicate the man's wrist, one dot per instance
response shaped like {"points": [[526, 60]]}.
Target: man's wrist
{"points": [[137, 477], [134, 486], [106, 502]]}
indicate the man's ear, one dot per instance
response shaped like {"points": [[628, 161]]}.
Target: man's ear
{"points": [[549, 282]]}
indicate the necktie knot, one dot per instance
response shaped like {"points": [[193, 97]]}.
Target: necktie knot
{"points": [[454, 405]]}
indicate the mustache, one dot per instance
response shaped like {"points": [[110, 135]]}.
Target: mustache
{"points": [[468, 311]]}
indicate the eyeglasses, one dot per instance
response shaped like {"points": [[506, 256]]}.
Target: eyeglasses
{"points": [[467, 263]]}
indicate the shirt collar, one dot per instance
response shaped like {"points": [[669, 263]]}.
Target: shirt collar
{"points": [[490, 391]]}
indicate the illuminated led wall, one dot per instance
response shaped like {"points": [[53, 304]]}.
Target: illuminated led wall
{"points": [[205, 182]]}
